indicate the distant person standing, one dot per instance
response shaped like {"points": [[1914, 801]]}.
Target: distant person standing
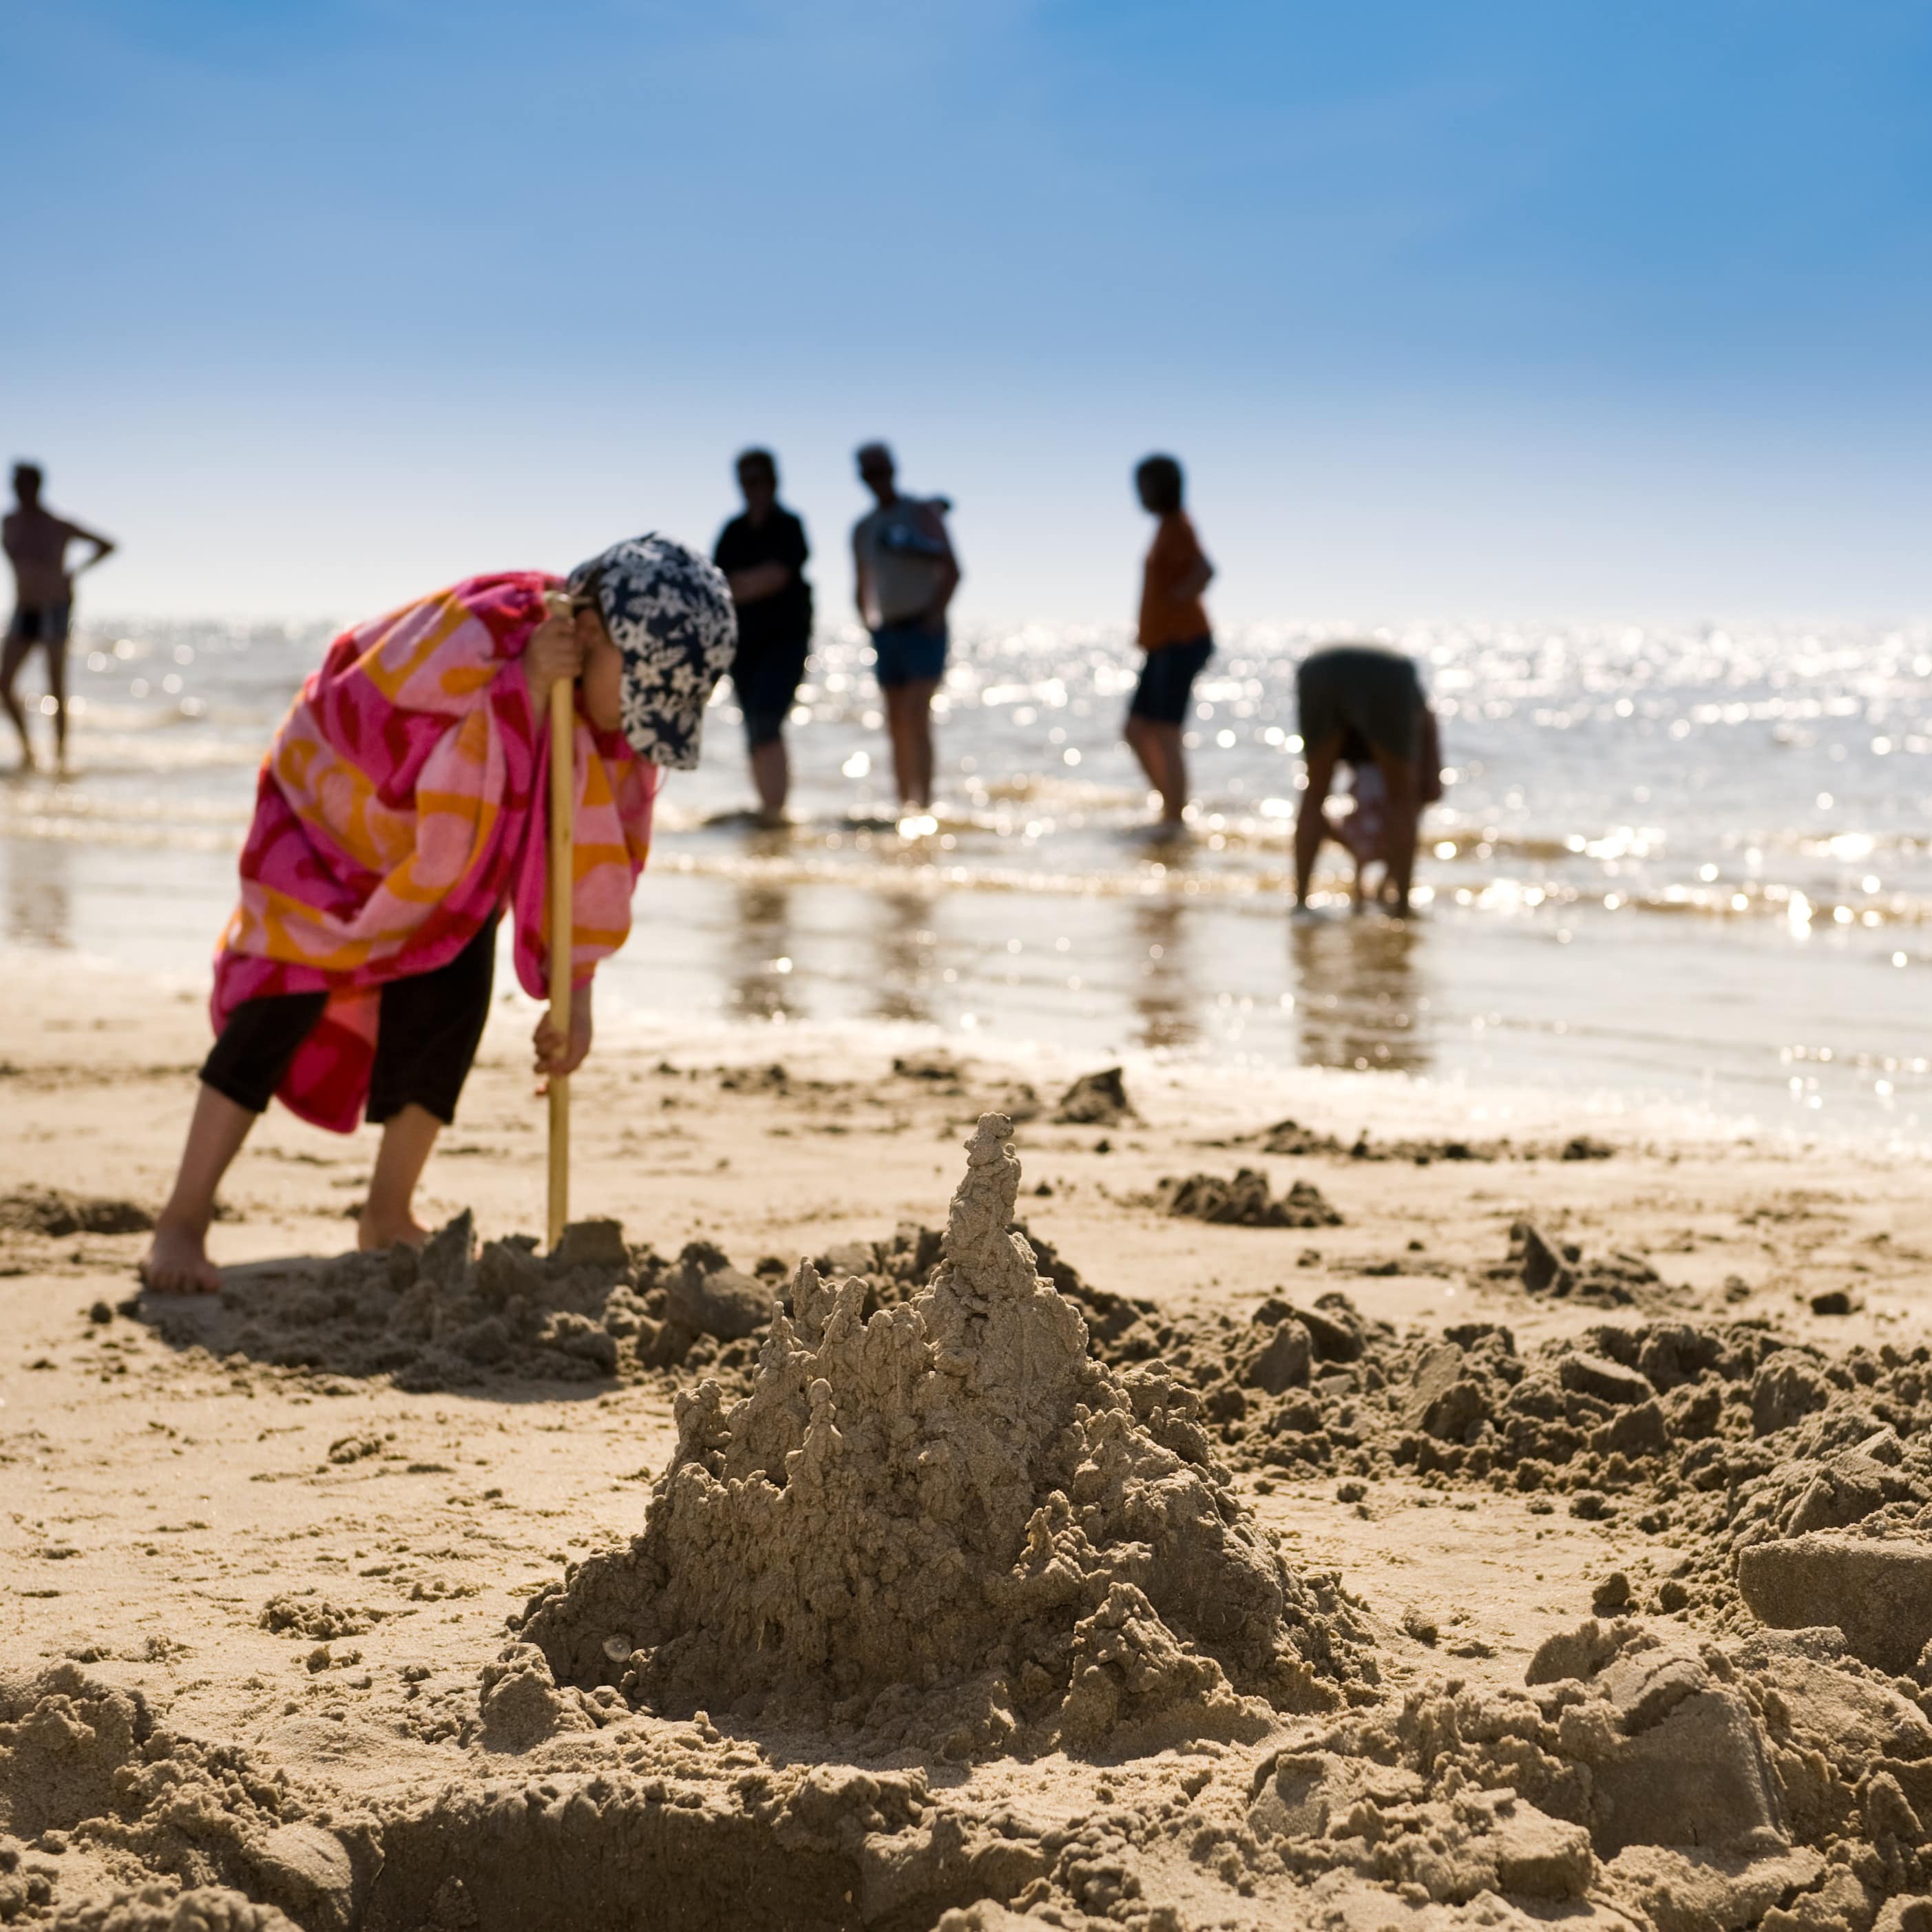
{"points": [[1173, 636], [905, 574], [36, 542], [1364, 704], [762, 555]]}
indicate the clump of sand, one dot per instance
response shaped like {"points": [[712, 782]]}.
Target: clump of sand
{"points": [[92, 1784], [949, 1524], [460, 1315], [55, 1212], [1245, 1201], [1683, 1782], [1291, 1137]]}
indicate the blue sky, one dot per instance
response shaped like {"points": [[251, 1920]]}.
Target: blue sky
{"points": [[1460, 308]]}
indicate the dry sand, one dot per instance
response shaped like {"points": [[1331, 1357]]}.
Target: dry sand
{"points": [[1520, 1547]]}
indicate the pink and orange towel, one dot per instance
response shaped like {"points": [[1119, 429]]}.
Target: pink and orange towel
{"points": [[402, 804]]}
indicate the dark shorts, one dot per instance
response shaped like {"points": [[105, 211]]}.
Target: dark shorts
{"points": [[908, 654], [426, 1034], [39, 624], [1167, 681], [1363, 689], [766, 677]]}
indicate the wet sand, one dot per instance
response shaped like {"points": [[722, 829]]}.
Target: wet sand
{"points": [[304, 1567]]}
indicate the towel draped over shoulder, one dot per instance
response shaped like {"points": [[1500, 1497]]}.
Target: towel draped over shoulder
{"points": [[401, 806]]}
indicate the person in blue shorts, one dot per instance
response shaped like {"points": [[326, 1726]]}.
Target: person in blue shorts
{"points": [[904, 573], [1173, 635]]}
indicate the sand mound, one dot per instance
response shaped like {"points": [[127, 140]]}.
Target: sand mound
{"points": [[55, 1212], [951, 1515], [1246, 1201], [1544, 1265], [1757, 1461], [1291, 1137], [1686, 1784], [457, 1316], [1096, 1100], [156, 1908], [98, 1786]]}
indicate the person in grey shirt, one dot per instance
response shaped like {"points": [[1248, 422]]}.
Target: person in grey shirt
{"points": [[904, 573]]}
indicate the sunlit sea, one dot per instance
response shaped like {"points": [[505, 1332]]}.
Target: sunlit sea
{"points": [[1679, 872]]}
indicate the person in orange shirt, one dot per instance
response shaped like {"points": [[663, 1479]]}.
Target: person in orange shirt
{"points": [[1173, 635]]}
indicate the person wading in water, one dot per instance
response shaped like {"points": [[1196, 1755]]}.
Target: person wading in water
{"points": [[1356, 696], [905, 574], [36, 542]]}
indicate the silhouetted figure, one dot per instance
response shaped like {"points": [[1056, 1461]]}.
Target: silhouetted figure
{"points": [[36, 542], [763, 554], [1174, 635], [1364, 702], [905, 574]]}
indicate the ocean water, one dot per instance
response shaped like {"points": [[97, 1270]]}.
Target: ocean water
{"points": [[1687, 866]]}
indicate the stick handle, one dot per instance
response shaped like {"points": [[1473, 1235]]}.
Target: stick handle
{"points": [[562, 949]]}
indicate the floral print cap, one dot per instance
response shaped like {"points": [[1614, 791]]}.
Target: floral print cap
{"points": [[669, 611]]}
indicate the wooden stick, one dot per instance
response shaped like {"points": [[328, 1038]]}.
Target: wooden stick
{"points": [[562, 936]]}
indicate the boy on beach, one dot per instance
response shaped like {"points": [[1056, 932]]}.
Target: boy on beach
{"points": [[1173, 635], [36, 542], [762, 555]]}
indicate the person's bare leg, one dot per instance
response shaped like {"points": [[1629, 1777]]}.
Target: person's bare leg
{"points": [[12, 657], [57, 688], [921, 700], [1134, 732], [1311, 824], [176, 1262], [388, 1215], [771, 773], [897, 736], [1164, 759], [1171, 757], [1404, 814], [909, 719]]}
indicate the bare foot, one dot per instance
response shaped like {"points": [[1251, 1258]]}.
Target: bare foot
{"points": [[375, 1232], [1166, 832], [177, 1263]]}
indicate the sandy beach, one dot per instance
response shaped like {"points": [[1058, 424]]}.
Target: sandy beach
{"points": [[268, 1557]]}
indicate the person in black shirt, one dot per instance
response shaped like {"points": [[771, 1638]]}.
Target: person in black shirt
{"points": [[762, 554]]}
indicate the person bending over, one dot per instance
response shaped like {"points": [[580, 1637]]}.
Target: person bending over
{"points": [[400, 813], [1173, 637], [904, 573], [1363, 698], [763, 554], [36, 542]]}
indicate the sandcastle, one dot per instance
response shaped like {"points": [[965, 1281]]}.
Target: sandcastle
{"points": [[949, 1523]]}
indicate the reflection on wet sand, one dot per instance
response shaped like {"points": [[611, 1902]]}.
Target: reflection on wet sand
{"points": [[39, 895], [1166, 994], [907, 944], [1356, 994], [761, 953]]}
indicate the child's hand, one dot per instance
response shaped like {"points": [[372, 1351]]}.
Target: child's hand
{"points": [[556, 1055], [554, 651]]}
